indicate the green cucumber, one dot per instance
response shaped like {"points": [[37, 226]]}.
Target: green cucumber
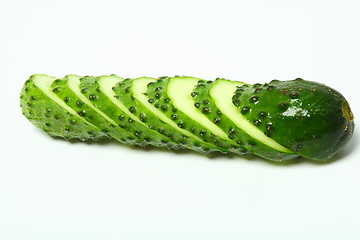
{"points": [[279, 121]]}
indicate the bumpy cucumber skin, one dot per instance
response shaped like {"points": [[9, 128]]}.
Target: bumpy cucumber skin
{"points": [[251, 145], [157, 94], [47, 115], [311, 119]]}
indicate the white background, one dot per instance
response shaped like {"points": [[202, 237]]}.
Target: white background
{"points": [[53, 189]]}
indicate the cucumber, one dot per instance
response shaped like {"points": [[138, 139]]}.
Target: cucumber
{"points": [[278, 121]]}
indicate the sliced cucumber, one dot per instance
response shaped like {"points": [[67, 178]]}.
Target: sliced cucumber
{"points": [[278, 121]]}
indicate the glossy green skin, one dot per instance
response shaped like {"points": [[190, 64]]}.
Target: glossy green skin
{"points": [[250, 144], [51, 118], [157, 93], [309, 118]]}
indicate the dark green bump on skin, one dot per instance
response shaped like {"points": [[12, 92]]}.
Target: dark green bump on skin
{"points": [[262, 114], [93, 97], [245, 109], [279, 120], [206, 110], [164, 107], [254, 98], [79, 103]]}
